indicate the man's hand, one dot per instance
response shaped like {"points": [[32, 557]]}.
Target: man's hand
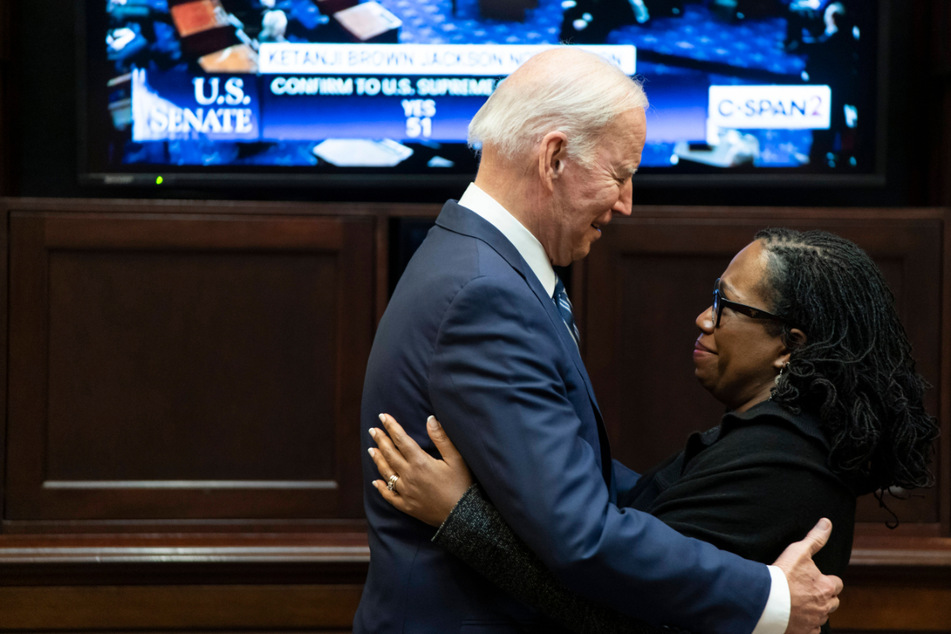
{"points": [[814, 596]]}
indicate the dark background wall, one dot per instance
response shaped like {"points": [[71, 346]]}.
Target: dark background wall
{"points": [[180, 375]]}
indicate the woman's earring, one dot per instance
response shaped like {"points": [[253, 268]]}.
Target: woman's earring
{"points": [[781, 370]]}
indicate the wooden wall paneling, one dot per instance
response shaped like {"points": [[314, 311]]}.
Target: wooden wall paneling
{"points": [[180, 608], [186, 367], [183, 583], [382, 269], [355, 278], [4, 341], [897, 585], [650, 275], [6, 56], [879, 600], [943, 466]]}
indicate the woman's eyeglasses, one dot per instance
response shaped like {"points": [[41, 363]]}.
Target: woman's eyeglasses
{"points": [[720, 302]]}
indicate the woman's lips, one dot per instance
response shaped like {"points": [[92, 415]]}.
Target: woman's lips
{"points": [[699, 349]]}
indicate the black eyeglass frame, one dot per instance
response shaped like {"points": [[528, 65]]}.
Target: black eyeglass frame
{"points": [[720, 302]]}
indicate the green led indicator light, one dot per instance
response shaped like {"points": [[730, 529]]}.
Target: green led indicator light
{"points": [[159, 180]]}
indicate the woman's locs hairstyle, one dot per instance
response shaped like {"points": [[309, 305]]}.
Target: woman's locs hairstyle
{"points": [[855, 371]]}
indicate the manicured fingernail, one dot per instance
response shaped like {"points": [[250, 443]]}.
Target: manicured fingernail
{"points": [[370, 451], [431, 422], [373, 432], [382, 418]]}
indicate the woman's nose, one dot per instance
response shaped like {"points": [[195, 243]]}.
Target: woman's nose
{"points": [[705, 320]]}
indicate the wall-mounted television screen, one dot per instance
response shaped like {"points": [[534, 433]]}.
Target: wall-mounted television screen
{"points": [[199, 92]]}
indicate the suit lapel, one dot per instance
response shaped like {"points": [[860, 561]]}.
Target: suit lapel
{"points": [[459, 219]]}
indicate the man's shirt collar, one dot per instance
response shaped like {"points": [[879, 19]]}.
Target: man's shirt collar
{"points": [[527, 245]]}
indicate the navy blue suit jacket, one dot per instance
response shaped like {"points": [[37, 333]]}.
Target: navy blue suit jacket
{"points": [[471, 336]]}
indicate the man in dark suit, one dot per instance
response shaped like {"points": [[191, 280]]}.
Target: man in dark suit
{"points": [[474, 334]]}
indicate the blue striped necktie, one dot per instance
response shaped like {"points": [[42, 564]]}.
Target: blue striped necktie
{"points": [[564, 307]]}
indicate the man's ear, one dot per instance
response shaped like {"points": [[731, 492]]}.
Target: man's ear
{"points": [[551, 157]]}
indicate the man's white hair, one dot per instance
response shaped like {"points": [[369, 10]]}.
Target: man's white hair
{"points": [[579, 98]]}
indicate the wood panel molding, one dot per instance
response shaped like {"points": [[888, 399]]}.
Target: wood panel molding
{"points": [[185, 367], [180, 608]]}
